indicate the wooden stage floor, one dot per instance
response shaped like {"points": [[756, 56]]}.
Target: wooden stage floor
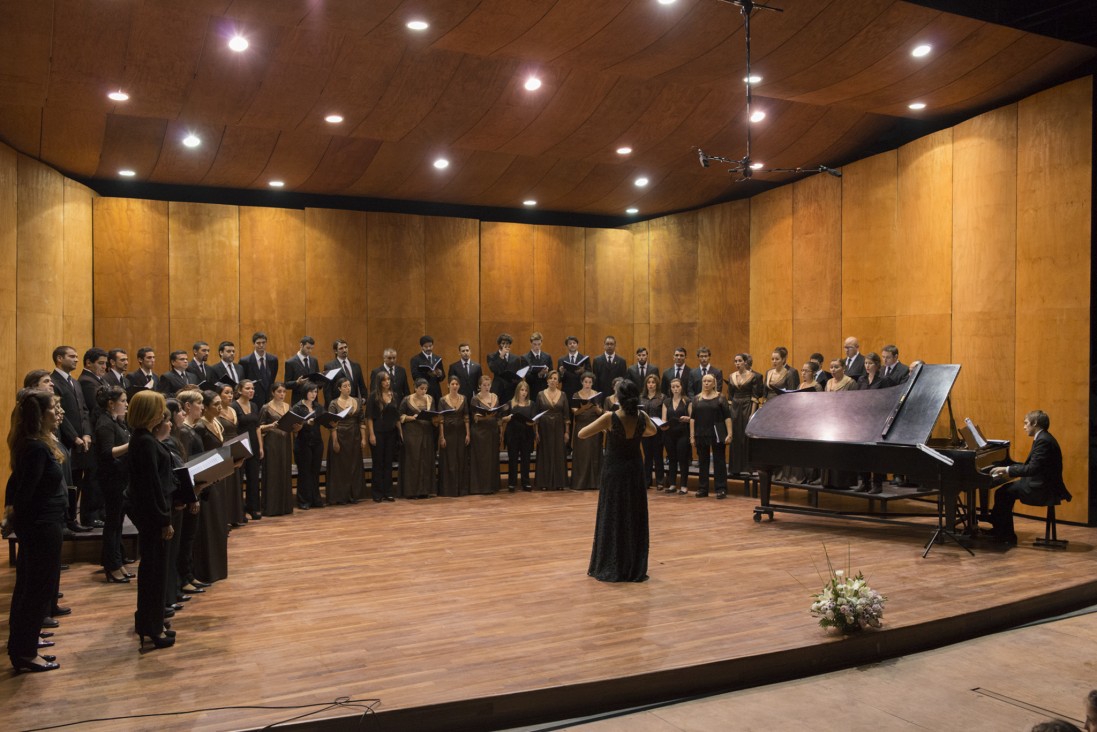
{"points": [[476, 613]]}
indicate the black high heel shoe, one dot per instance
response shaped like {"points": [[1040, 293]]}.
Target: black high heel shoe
{"points": [[21, 664], [158, 641], [123, 580]]}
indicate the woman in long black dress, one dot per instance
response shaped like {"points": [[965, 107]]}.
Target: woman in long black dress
{"points": [[111, 442], [552, 435], [651, 402], [190, 445], [745, 392], [677, 410], [276, 445], [780, 376], [484, 477], [385, 433], [417, 477], [35, 505], [709, 431], [211, 542], [586, 455], [232, 493], [247, 420], [346, 479], [308, 451], [620, 552], [149, 508], [520, 438], [454, 437]]}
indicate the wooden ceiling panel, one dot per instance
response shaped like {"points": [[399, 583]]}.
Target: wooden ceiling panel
{"points": [[492, 25], [344, 161], [160, 66], [716, 119], [659, 121], [133, 143], [471, 177], [519, 182], [579, 95], [393, 163], [619, 110], [567, 25], [414, 88], [353, 17], [187, 165], [21, 127], [360, 77], [560, 180], [514, 111], [74, 135], [91, 61], [810, 144], [241, 157], [26, 35], [598, 184], [286, 13], [296, 157]]}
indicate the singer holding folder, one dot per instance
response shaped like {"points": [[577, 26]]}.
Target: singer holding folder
{"points": [[211, 543], [453, 441], [586, 456], [484, 447], [709, 431], [417, 479], [346, 443], [276, 445], [552, 436], [308, 450], [520, 437]]}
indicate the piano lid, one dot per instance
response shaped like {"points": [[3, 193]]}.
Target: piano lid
{"points": [[860, 416]]}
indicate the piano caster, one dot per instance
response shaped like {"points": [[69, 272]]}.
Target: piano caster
{"points": [[758, 514]]}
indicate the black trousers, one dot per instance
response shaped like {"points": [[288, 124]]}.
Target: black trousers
{"points": [[36, 570], [250, 474], [384, 454], [679, 454], [151, 578], [519, 454], [1001, 515], [114, 513], [171, 568], [184, 562], [653, 458], [707, 446], [308, 457]]}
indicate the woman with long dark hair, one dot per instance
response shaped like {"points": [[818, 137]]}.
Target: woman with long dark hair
{"points": [[276, 447], [308, 450], [677, 411], [385, 433]]}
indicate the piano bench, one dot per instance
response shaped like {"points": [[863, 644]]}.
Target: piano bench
{"points": [[1051, 539]]}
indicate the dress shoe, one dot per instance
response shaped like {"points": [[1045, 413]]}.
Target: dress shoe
{"points": [[47, 657], [158, 641], [111, 579], [169, 613], [303, 506], [527, 489], [127, 560], [97, 524], [77, 528], [59, 611], [876, 489], [721, 494], [196, 583], [127, 573], [50, 623], [60, 595], [255, 516], [862, 488], [318, 504], [182, 598], [193, 590], [174, 606], [701, 493], [64, 567], [377, 500], [45, 634], [390, 499], [45, 643], [21, 664]]}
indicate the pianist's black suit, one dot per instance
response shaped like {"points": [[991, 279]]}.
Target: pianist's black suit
{"points": [[1041, 483]]}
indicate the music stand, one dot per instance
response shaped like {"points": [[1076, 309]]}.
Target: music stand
{"points": [[943, 533]]}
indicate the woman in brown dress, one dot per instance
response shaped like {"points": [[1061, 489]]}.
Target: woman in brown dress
{"points": [[484, 475], [586, 456], [346, 443], [552, 436], [745, 393], [454, 437], [211, 543], [417, 477], [277, 450], [233, 493]]}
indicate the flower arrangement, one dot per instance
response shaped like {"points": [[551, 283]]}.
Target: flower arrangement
{"points": [[847, 602]]}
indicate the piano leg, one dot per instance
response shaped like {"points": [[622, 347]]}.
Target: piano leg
{"points": [[763, 496]]}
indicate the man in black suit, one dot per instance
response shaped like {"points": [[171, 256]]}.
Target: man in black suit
{"points": [[704, 357], [299, 367], [117, 363], [1040, 477], [91, 379], [427, 366], [822, 376], [397, 375], [225, 370], [855, 362], [571, 367], [537, 378], [261, 367], [352, 370], [894, 369], [504, 368], [144, 376], [467, 370], [177, 377], [197, 365], [680, 370], [639, 371], [609, 366], [75, 427]]}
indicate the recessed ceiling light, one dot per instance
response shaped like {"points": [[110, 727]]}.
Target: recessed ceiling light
{"points": [[333, 119], [418, 25], [921, 50], [277, 183], [441, 163], [532, 84], [238, 43], [529, 202], [757, 116], [119, 96], [753, 79], [634, 210], [624, 151], [640, 182], [757, 166], [667, 2], [192, 140], [917, 105], [126, 173]]}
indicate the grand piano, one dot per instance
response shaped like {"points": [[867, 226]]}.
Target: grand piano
{"points": [[880, 431]]}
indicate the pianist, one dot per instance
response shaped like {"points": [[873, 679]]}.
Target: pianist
{"points": [[1038, 481]]}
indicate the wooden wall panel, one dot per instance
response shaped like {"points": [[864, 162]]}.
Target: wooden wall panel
{"points": [[506, 297], [10, 378], [816, 268], [77, 327], [397, 288], [672, 276], [984, 272], [203, 277], [452, 304], [609, 290], [559, 288], [334, 289], [272, 298], [1054, 200], [130, 275], [770, 274], [723, 281], [40, 257], [869, 210]]}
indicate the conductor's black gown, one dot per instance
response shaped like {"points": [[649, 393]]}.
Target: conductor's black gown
{"points": [[620, 551]]}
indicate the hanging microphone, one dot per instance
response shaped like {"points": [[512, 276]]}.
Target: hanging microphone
{"points": [[702, 157]]}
